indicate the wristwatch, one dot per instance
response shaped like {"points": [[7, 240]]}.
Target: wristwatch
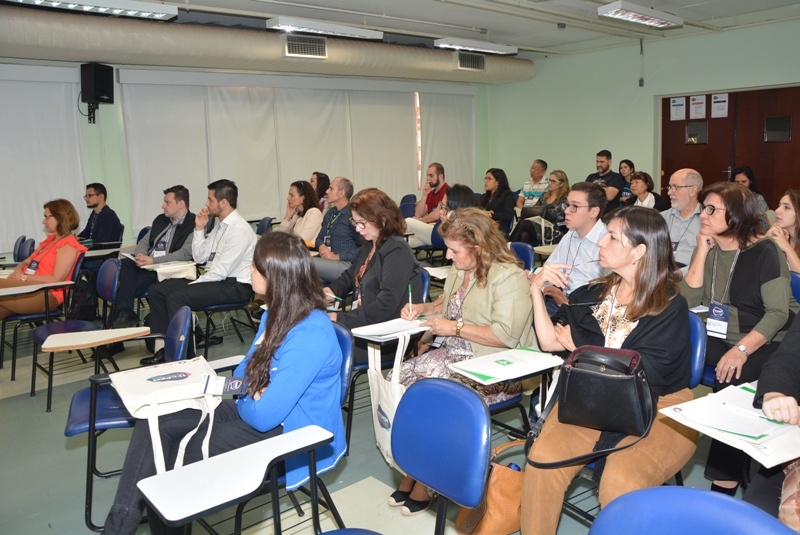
{"points": [[743, 349], [459, 326]]}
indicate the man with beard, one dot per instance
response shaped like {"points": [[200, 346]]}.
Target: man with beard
{"points": [[227, 252], [683, 218], [612, 182], [433, 191], [103, 225]]}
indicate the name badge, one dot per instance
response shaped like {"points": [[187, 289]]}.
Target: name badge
{"points": [[211, 257], [159, 254], [31, 270], [675, 246], [717, 324]]}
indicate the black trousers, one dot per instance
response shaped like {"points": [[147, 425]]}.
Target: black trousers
{"points": [[133, 282], [724, 462], [168, 296]]}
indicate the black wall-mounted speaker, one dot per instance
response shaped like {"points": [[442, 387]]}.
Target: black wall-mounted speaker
{"points": [[97, 83]]}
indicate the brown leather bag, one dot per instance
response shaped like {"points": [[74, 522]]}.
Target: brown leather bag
{"points": [[499, 512]]}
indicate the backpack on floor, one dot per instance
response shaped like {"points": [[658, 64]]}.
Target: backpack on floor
{"points": [[83, 304]]}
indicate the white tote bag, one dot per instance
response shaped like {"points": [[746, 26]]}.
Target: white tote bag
{"points": [[154, 391], [385, 395]]}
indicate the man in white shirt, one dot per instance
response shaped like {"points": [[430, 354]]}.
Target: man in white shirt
{"points": [[227, 252], [683, 218], [578, 248], [531, 191]]}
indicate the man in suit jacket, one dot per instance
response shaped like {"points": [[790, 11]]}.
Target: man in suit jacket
{"points": [[169, 239]]}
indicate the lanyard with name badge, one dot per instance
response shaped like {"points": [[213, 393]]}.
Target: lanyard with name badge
{"points": [[719, 313]]}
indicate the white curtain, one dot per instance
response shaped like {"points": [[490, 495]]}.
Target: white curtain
{"points": [[166, 133], [40, 154], [383, 133], [448, 135], [242, 147]]}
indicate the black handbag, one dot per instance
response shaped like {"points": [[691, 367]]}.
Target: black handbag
{"points": [[600, 388]]}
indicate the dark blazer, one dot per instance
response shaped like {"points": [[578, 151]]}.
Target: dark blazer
{"points": [[662, 340], [182, 231], [660, 205], [781, 372], [384, 286], [502, 208]]}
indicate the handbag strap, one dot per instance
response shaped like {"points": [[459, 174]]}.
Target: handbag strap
{"points": [[536, 429]]}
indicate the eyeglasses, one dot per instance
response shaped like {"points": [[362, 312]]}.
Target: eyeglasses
{"points": [[574, 207], [673, 187], [444, 208], [489, 178], [358, 224], [553, 181], [88, 195], [710, 209]]}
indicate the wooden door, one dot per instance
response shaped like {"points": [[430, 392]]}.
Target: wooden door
{"points": [[711, 159], [738, 139]]}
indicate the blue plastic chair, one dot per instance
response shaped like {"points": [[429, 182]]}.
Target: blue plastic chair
{"points": [[264, 226], [142, 233], [98, 408], [26, 249], [524, 251], [441, 436], [437, 244], [17, 250], [795, 282], [31, 319], [670, 510], [107, 284]]}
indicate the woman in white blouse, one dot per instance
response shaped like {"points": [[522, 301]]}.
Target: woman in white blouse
{"points": [[303, 216], [642, 193]]}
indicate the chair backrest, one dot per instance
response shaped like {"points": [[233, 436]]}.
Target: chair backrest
{"points": [[176, 339], [121, 234], [668, 510], [264, 226], [524, 252], [142, 232], [76, 269], [426, 284], [697, 337], [345, 338], [409, 199], [441, 436], [795, 280], [17, 250], [26, 249], [108, 280], [408, 209], [436, 238]]}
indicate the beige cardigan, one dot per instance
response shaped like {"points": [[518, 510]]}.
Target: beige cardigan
{"points": [[504, 304]]}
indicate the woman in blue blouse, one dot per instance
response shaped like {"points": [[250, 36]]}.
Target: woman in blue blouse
{"points": [[293, 380]]}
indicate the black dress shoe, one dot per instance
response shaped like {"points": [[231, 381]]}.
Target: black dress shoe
{"points": [[158, 358], [724, 490], [126, 317]]}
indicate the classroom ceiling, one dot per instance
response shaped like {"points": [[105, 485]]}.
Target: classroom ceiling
{"points": [[536, 27]]}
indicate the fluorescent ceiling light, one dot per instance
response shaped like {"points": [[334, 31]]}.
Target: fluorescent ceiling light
{"points": [[631, 12], [291, 24], [126, 8], [474, 46]]}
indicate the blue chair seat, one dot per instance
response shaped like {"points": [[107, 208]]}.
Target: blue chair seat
{"points": [[111, 412], [41, 333]]}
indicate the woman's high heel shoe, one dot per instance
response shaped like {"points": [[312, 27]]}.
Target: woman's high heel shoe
{"points": [[723, 490]]}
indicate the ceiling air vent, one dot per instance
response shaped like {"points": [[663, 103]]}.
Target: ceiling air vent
{"points": [[470, 62], [305, 46]]}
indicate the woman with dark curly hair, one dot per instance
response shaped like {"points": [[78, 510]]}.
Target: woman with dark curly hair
{"points": [[303, 216]]}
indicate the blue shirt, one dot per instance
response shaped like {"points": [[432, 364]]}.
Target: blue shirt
{"points": [[582, 254], [305, 388], [343, 236]]}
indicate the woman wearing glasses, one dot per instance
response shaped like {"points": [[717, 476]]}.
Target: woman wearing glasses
{"points": [[52, 261], [554, 201], [484, 308], [457, 196], [637, 306], [744, 280], [499, 200], [380, 277], [642, 193], [303, 216]]}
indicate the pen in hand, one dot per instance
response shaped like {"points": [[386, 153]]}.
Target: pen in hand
{"points": [[410, 306]]}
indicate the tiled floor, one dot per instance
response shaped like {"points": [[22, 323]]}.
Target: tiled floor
{"points": [[42, 475]]}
